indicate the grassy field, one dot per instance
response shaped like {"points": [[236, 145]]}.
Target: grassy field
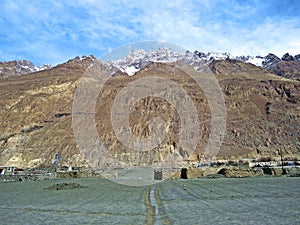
{"points": [[271, 200], [231, 201]]}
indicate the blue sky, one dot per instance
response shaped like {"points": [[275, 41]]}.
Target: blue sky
{"points": [[55, 31]]}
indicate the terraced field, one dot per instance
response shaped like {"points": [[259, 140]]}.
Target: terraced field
{"points": [[268, 200]]}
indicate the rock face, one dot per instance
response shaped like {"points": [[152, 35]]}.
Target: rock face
{"points": [[19, 67], [287, 57], [288, 66], [36, 115], [270, 61], [231, 67], [288, 69], [297, 57], [31, 132]]}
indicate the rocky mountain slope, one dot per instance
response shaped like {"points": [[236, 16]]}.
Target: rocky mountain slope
{"points": [[19, 67], [22, 67], [36, 112]]}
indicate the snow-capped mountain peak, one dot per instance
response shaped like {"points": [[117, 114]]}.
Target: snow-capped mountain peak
{"points": [[20, 67], [138, 59]]}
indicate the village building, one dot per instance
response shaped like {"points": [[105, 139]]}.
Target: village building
{"points": [[7, 170]]}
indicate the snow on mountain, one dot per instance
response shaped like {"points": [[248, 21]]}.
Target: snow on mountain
{"points": [[19, 67], [138, 59], [131, 70], [257, 60], [25, 66]]}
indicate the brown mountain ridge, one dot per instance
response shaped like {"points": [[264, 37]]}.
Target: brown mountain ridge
{"points": [[36, 115]]}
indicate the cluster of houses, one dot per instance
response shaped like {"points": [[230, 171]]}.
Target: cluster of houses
{"points": [[58, 168]]}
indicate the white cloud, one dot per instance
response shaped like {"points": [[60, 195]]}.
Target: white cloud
{"points": [[200, 29], [278, 37], [51, 31]]}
